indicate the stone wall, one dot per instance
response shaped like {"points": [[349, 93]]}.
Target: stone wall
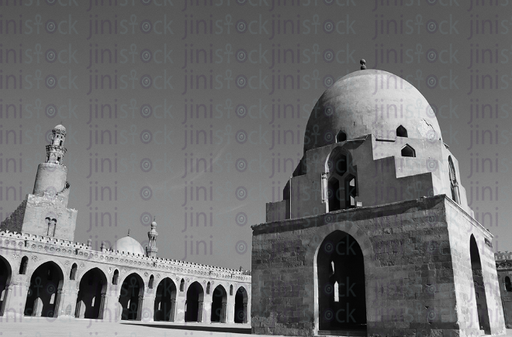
{"points": [[14, 221], [408, 265]]}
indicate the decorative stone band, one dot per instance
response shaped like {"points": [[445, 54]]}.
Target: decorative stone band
{"points": [[51, 147]]}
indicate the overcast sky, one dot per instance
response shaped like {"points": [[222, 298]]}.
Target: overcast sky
{"points": [[155, 64]]}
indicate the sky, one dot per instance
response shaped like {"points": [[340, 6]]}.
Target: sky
{"points": [[187, 111]]}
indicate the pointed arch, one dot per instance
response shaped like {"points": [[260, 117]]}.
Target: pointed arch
{"points": [[219, 304], [454, 184], [165, 301], [151, 281], [241, 300], [508, 284], [5, 281], [132, 297], [72, 273], [341, 180], [115, 277], [408, 151], [23, 265], [479, 287], [401, 131], [45, 290], [92, 292], [341, 137], [194, 303]]}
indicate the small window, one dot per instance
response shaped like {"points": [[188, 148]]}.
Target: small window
{"points": [[115, 277], [336, 292], [23, 265], [508, 284], [151, 281], [231, 290], [351, 191], [182, 285], [72, 274], [401, 131], [408, 151], [208, 288], [341, 137]]}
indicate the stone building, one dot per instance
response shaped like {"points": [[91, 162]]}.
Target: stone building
{"points": [[374, 235], [44, 272], [504, 267]]}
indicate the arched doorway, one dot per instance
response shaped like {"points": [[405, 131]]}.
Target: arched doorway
{"points": [[194, 303], [165, 301], [241, 300], [43, 298], [479, 286], [341, 284], [132, 295], [5, 279], [219, 302], [90, 301]]}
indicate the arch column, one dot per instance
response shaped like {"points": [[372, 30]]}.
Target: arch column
{"points": [[207, 308], [200, 311], [230, 309], [17, 292], [140, 307], [66, 298], [112, 308], [148, 306], [181, 298]]}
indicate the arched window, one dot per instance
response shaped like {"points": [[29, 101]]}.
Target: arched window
{"points": [[508, 284], [151, 281], [408, 151], [341, 137], [454, 184], [72, 274], [182, 285], [115, 278], [342, 181], [401, 131], [23, 265]]}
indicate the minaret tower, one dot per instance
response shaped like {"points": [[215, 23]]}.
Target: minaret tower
{"points": [[151, 249], [45, 212], [51, 175]]}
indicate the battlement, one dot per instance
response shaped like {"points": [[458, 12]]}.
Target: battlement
{"points": [[80, 251], [503, 256]]}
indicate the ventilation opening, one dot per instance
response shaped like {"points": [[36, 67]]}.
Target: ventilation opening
{"points": [[401, 131], [408, 151], [341, 137]]}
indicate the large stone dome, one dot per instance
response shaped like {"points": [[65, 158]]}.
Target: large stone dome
{"points": [[128, 244], [370, 102]]}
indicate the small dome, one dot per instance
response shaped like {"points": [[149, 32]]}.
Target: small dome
{"points": [[370, 102], [129, 245], [60, 128]]}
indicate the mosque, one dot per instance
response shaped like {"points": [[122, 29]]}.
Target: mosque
{"points": [[374, 235], [45, 273]]}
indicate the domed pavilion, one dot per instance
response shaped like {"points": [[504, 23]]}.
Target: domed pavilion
{"points": [[374, 235]]}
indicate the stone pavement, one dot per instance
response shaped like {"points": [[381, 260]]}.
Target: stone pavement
{"points": [[71, 327]]}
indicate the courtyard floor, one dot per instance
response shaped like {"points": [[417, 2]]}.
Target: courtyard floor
{"points": [[64, 327]]}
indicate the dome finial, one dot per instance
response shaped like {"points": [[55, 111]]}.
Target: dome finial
{"points": [[363, 64]]}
